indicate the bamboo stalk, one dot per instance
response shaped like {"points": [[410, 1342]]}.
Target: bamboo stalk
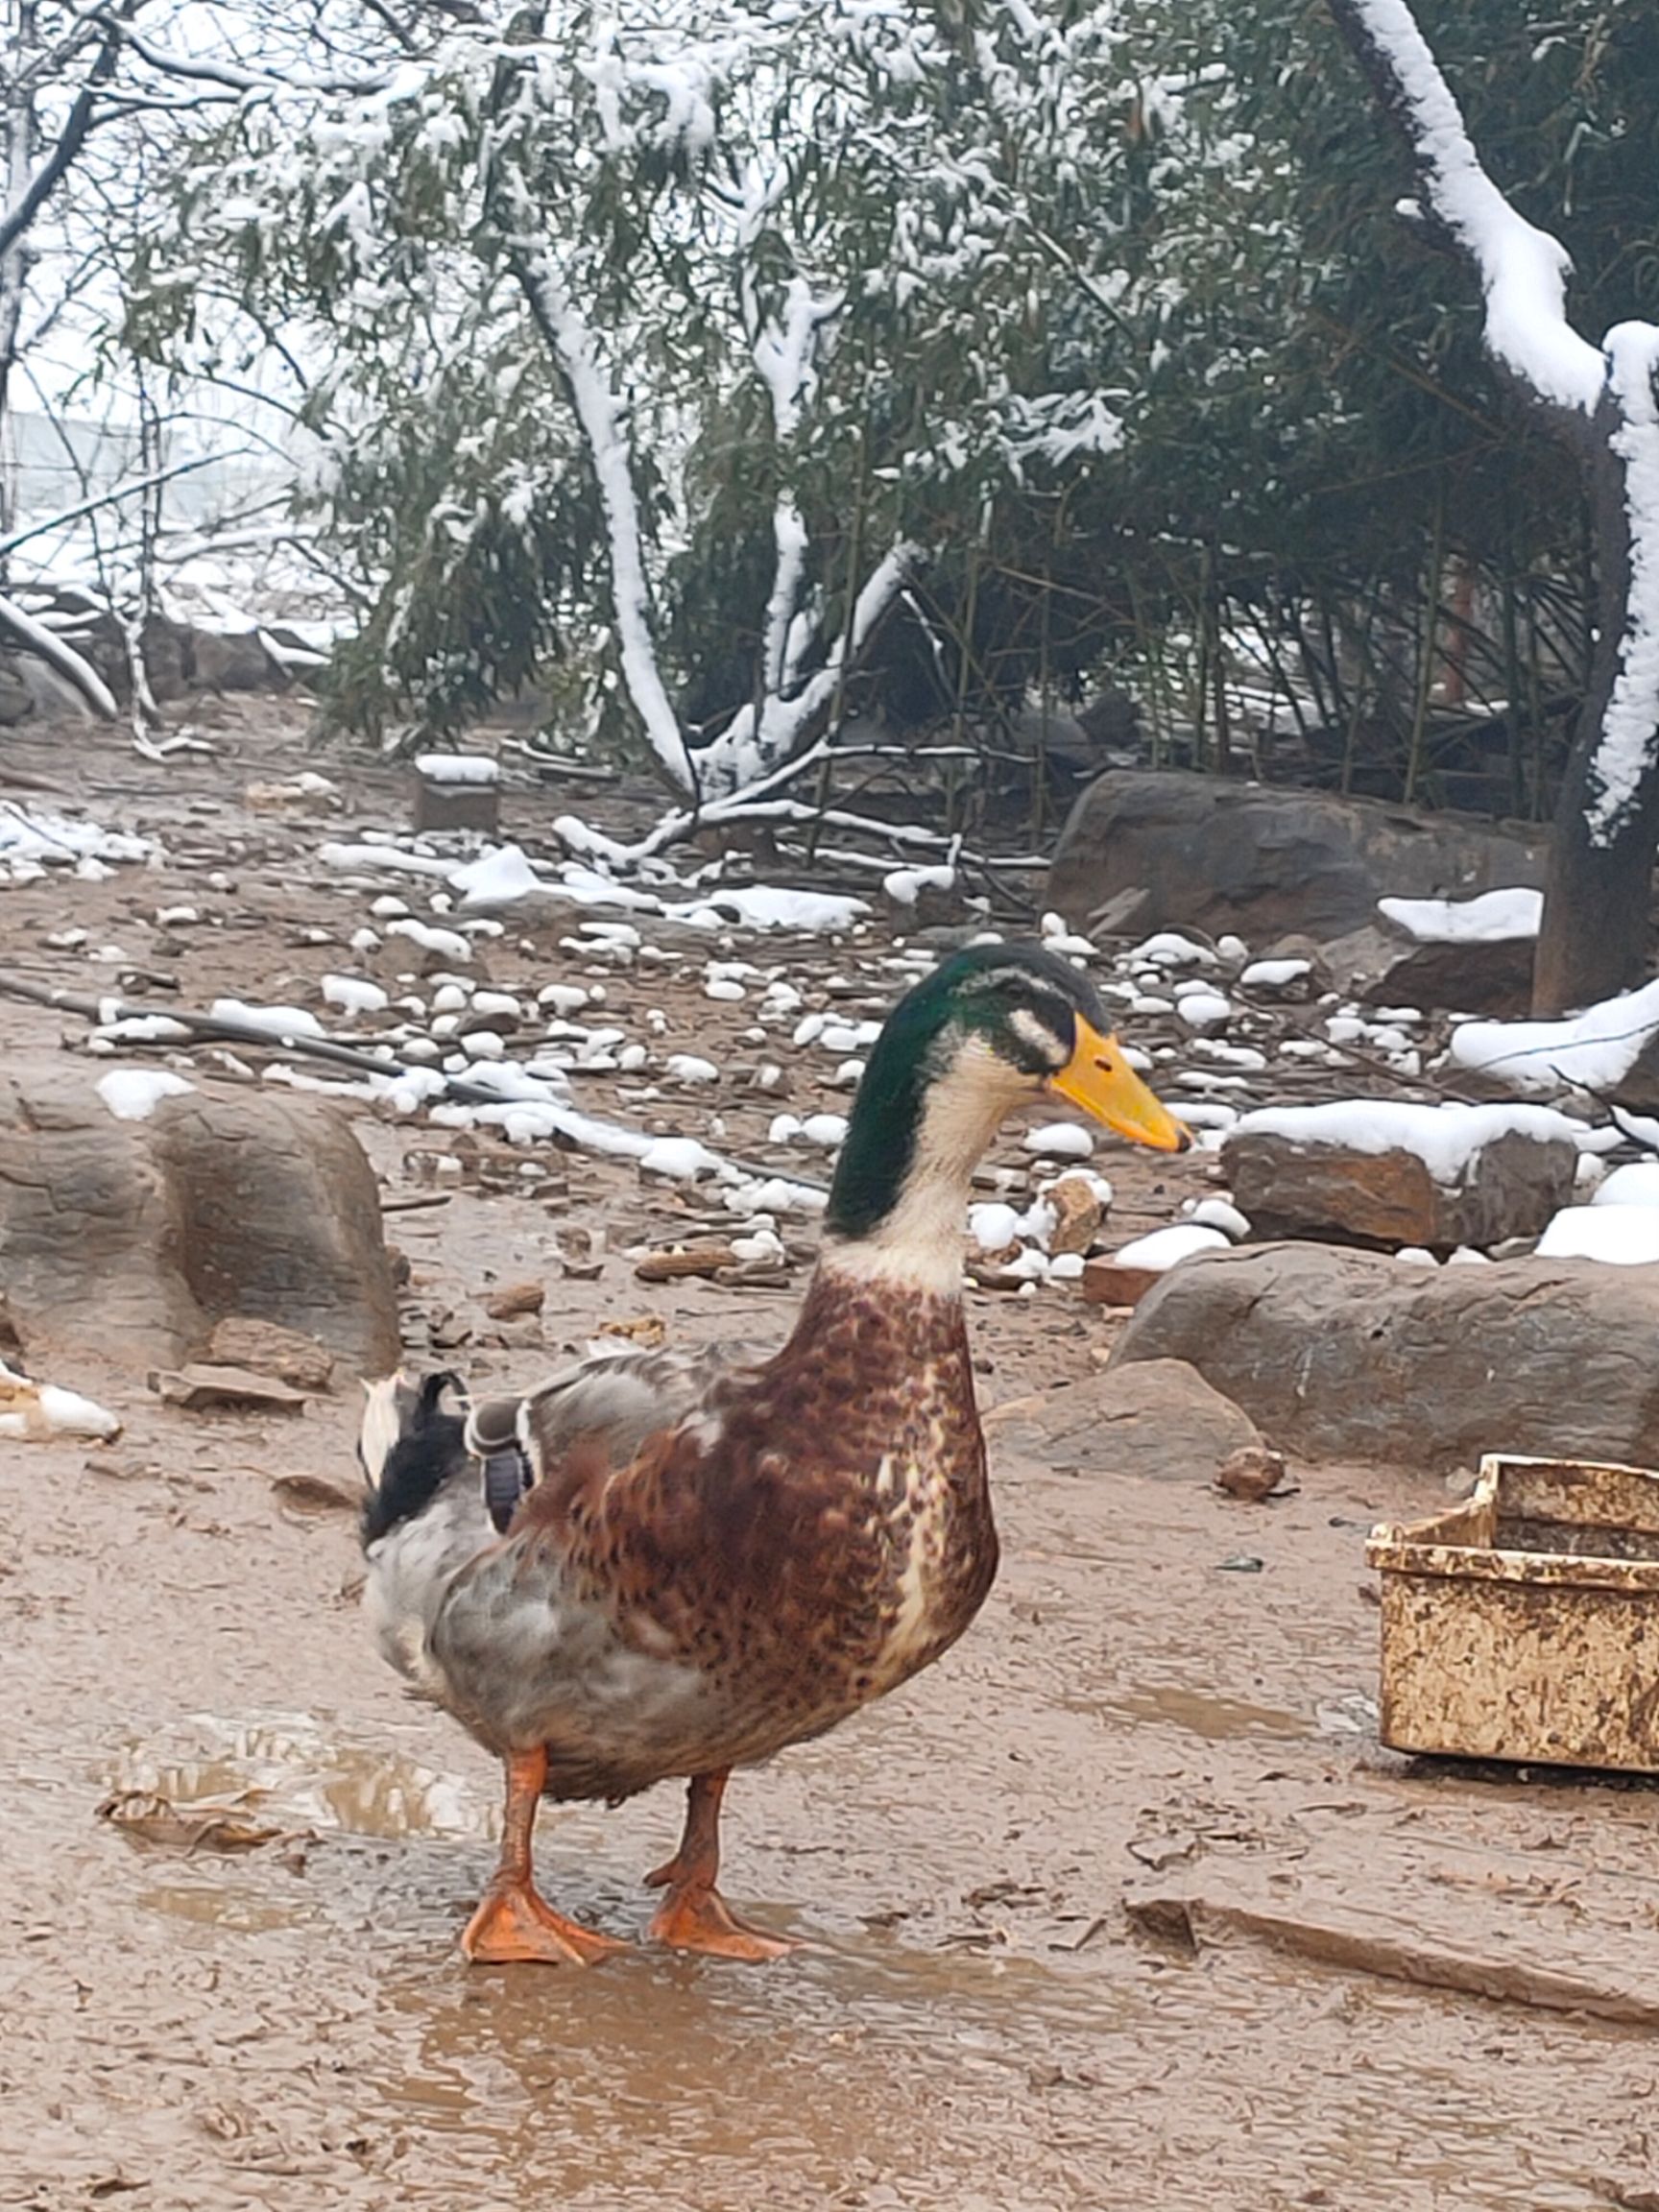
{"points": [[1428, 629]]}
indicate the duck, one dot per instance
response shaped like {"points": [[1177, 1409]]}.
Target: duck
{"points": [[673, 1565]]}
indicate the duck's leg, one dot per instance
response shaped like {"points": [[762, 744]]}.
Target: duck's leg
{"points": [[513, 1923], [695, 1916]]}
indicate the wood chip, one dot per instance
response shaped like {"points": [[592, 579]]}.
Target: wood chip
{"points": [[150, 1819], [671, 1265], [648, 1330]]}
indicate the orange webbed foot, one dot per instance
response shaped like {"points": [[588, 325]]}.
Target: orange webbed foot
{"points": [[699, 1919], [512, 1926]]}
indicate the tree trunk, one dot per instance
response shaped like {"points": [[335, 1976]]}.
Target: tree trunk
{"points": [[1597, 932]]}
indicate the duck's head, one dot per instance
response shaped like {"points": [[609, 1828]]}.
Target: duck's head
{"points": [[992, 1028]]}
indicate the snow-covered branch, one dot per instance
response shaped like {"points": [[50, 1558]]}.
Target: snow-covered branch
{"points": [[1628, 745], [35, 637], [749, 746], [27, 194], [784, 357], [1594, 931], [1523, 269], [600, 415]]}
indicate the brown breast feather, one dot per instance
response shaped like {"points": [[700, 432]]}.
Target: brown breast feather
{"points": [[754, 1539]]}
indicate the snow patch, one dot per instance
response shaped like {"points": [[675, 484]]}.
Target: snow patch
{"points": [[1593, 1049], [1621, 1236], [496, 879], [1060, 1141], [31, 840], [1494, 918], [1166, 1248], [133, 1093], [280, 1022]]}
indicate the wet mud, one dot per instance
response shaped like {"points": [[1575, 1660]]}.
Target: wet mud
{"points": [[987, 2017]]}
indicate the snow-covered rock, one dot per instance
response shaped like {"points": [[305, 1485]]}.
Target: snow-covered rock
{"points": [[1379, 1172], [354, 995], [1602, 1049], [1059, 1140], [457, 768]]}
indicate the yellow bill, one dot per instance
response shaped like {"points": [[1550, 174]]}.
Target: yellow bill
{"points": [[1102, 1081]]}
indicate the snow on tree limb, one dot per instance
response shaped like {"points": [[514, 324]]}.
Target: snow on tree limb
{"points": [[1608, 393], [562, 326], [1630, 741], [27, 196], [1522, 271], [742, 753], [784, 357], [35, 637]]}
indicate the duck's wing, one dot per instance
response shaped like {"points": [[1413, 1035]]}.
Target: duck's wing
{"points": [[606, 1406]]}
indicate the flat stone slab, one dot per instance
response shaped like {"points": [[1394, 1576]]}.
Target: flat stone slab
{"points": [[1348, 1354]]}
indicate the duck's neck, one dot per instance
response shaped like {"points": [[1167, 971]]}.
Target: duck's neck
{"points": [[897, 1207]]}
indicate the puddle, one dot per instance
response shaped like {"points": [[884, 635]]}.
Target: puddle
{"points": [[287, 1765], [215, 1903], [1217, 1719]]}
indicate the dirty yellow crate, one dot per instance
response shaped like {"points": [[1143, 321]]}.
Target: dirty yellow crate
{"points": [[1523, 1624]]}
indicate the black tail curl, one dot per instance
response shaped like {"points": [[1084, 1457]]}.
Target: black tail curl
{"points": [[431, 1446]]}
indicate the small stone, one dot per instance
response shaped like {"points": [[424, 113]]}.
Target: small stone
{"points": [[513, 1299], [1253, 1473], [1078, 1215]]}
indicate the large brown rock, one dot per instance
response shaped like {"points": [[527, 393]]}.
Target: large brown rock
{"points": [[1508, 1187], [1159, 1418], [1264, 861], [1488, 976], [1382, 965], [131, 1239], [1344, 1354]]}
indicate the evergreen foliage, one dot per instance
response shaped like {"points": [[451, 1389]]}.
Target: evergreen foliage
{"points": [[1095, 322]]}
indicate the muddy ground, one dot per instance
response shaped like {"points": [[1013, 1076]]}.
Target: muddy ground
{"points": [[1167, 1702]]}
